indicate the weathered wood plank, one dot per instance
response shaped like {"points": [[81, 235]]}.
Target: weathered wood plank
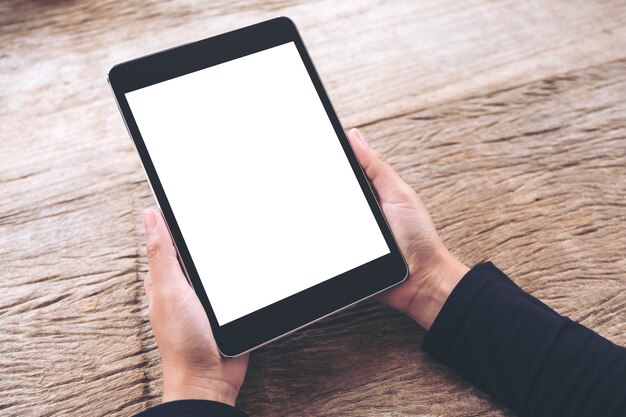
{"points": [[508, 118], [378, 59]]}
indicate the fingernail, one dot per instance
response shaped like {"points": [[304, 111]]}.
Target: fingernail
{"points": [[359, 136], [149, 220]]}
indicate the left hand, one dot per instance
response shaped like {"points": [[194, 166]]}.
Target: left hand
{"points": [[192, 365]]}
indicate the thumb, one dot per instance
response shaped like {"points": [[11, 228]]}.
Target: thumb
{"points": [[165, 272], [383, 177]]}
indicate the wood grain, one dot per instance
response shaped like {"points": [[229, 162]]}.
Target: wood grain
{"points": [[509, 119]]}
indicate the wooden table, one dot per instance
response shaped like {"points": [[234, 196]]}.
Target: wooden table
{"points": [[509, 119]]}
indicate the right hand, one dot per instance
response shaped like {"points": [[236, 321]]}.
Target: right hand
{"points": [[433, 271]]}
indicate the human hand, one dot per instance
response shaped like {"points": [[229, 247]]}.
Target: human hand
{"points": [[192, 365], [433, 271]]}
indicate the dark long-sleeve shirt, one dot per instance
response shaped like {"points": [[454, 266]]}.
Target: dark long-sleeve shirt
{"points": [[510, 345]]}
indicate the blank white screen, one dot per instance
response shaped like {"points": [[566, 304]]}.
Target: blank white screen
{"points": [[262, 191]]}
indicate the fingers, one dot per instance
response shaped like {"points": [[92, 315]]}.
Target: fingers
{"points": [[165, 273], [384, 178]]}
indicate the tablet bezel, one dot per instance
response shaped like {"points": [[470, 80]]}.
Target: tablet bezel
{"points": [[280, 318]]}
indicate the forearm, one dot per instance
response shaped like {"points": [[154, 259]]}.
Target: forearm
{"points": [[523, 353]]}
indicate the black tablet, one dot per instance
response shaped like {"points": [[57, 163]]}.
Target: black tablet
{"points": [[274, 221]]}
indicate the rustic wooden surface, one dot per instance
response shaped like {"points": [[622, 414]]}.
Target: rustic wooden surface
{"points": [[509, 118]]}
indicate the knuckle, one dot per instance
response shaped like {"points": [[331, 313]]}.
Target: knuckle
{"points": [[157, 251], [153, 250]]}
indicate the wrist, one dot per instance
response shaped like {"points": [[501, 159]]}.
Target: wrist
{"points": [[437, 286], [181, 385]]}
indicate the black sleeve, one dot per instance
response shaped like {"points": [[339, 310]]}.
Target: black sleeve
{"points": [[524, 354], [192, 408]]}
